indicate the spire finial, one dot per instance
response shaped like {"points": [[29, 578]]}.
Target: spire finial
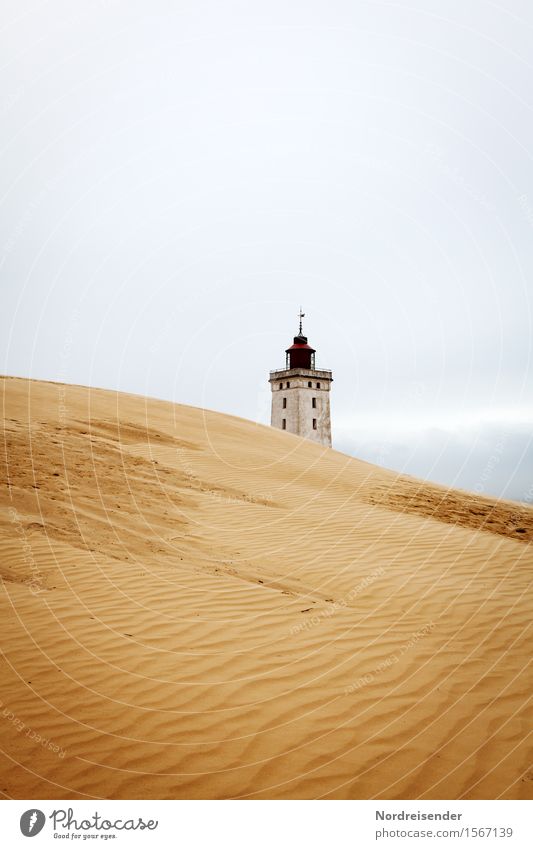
{"points": [[302, 315]]}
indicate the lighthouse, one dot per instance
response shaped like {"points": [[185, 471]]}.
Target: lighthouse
{"points": [[300, 393]]}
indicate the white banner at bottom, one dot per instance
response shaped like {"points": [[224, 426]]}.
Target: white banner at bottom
{"points": [[268, 824]]}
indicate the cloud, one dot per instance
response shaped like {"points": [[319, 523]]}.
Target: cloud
{"points": [[490, 458]]}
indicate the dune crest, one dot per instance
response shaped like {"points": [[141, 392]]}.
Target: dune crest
{"points": [[196, 606]]}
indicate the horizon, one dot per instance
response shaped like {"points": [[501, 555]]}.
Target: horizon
{"points": [[163, 216], [480, 489]]}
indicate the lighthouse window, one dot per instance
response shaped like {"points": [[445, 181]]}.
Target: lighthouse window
{"points": [[284, 403], [310, 384], [314, 424], [288, 385], [318, 386], [313, 402], [284, 424], [281, 386]]}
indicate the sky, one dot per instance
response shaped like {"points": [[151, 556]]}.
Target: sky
{"points": [[178, 178]]}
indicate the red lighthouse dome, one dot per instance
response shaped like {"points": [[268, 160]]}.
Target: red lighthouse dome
{"points": [[300, 354]]}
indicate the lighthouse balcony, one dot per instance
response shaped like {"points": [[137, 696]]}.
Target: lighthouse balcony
{"points": [[283, 373]]}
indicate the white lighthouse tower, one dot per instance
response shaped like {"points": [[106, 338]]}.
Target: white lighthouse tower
{"points": [[300, 393]]}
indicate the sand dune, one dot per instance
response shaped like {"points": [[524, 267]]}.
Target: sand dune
{"points": [[196, 606]]}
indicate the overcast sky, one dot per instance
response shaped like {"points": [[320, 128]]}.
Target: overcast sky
{"points": [[178, 177]]}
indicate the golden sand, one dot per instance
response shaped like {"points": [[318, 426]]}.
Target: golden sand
{"points": [[197, 606]]}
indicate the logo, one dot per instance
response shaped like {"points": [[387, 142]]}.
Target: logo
{"points": [[31, 822]]}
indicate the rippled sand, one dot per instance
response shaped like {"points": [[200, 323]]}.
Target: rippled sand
{"points": [[196, 606]]}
